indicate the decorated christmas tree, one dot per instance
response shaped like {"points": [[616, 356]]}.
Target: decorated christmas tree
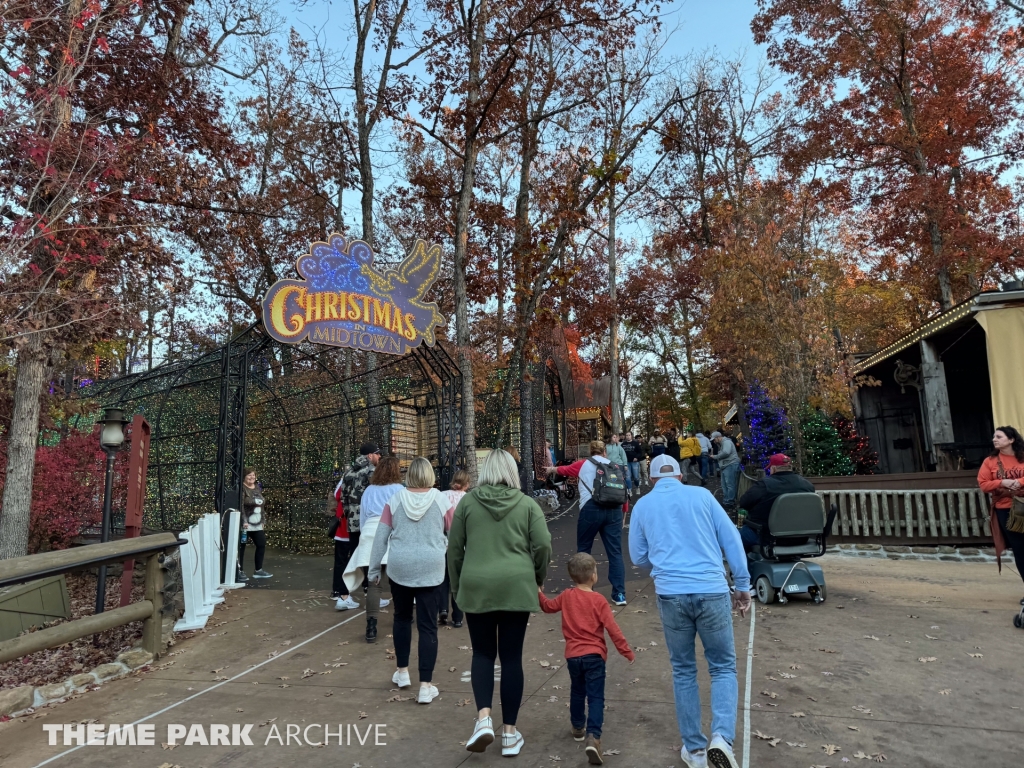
{"points": [[825, 454], [857, 447], [770, 430]]}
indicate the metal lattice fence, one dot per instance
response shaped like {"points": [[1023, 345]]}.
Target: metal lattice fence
{"points": [[297, 414]]}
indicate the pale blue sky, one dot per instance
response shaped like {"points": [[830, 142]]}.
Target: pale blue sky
{"points": [[696, 25]]}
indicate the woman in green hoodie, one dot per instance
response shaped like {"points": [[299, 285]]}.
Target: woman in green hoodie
{"points": [[498, 551]]}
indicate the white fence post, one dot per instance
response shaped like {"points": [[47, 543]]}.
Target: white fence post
{"points": [[191, 580], [231, 545], [210, 550]]}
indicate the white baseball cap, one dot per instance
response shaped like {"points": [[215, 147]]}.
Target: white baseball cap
{"points": [[664, 466]]}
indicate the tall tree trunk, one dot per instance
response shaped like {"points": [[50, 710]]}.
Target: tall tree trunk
{"points": [[477, 38], [613, 352], [526, 436], [21, 448]]}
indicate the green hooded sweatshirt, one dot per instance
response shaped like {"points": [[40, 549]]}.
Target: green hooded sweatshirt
{"points": [[498, 551]]}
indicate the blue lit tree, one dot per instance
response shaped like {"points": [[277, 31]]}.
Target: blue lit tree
{"points": [[770, 430]]}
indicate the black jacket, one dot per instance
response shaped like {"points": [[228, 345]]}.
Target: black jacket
{"points": [[758, 500]]}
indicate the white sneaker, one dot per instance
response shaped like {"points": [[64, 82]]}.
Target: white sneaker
{"points": [[401, 679], [698, 759], [511, 743], [384, 602], [427, 695], [345, 603], [720, 754], [483, 735]]}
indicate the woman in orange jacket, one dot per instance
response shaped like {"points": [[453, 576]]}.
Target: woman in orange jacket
{"points": [[1002, 475]]}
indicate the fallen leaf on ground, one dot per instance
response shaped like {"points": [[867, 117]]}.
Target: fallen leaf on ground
{"points": [[612, 752], [798, 745], [945, 692], [927, 659], [165, 745], [545, 663], [763, 736], [861, 709], [362, 715], [870, 637], [462, 702], [975, 655], [774, 742], [853, 727], [463, 647], [798, 714], [830, 749], [770, 694], [794, 666]]}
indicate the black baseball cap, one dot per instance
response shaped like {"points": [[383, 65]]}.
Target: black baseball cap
{"points": [[367, 448]]}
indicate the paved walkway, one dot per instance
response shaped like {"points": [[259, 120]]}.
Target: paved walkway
{"points": [[846, 673]]}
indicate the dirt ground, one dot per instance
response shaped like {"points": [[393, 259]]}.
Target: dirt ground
{"points": [[916, 661]]}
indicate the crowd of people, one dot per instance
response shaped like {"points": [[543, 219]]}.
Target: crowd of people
{"points": [[480, 555]]}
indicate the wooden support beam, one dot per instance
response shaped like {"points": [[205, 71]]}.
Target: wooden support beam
{"points": [[65, 633]]}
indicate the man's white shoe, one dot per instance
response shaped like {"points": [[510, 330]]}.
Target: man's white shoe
{"points": [[401, 679], [384, 602], [427, 694], [483, 735], [511, 743], [346, 603], [720, 754], [698, 759]]}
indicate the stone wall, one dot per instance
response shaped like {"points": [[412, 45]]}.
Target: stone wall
{"points": [[900, 552]]}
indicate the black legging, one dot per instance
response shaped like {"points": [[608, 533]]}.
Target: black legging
{"points": [[427, 603], [259, 539], [1015, 541], [446, 594], [342, 552], [498, 634]]}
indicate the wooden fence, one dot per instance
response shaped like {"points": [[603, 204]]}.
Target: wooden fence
{"points": [[960, 514]]}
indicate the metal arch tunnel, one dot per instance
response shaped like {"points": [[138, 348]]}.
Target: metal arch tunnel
{"points": [[296, 414]]}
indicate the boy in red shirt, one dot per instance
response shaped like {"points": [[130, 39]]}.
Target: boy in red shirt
{"points": [[585, 617]]}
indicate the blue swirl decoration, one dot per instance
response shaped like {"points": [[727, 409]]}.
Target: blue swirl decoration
{"points": [[336, 266]]}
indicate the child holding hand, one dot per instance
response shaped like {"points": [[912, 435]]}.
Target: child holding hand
{"points": [[585, 618]]}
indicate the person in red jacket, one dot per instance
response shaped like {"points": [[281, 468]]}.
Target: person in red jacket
{"points": [[1002, 475], [585, 618]]}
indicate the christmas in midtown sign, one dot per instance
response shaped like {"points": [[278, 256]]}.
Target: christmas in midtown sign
{"points": [[343, 301]]}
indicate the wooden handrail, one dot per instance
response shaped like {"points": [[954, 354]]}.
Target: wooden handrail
{"points": [[152, 549], [18, 570]]}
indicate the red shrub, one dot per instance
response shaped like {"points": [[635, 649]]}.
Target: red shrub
{"points": [[67, 490]]}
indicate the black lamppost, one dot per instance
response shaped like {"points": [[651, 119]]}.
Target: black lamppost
{"points": [[111, 440]]}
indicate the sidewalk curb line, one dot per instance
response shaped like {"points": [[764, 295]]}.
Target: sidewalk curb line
{"points": [[746, 696]]}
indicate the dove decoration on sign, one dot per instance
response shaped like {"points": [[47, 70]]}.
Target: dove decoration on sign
{"points": [[342, 300]]}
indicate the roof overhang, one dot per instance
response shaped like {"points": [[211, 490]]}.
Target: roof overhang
{"points": [[965, 309]]}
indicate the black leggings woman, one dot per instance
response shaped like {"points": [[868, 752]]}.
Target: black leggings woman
{"points": [[252, 524], [498, 549]]}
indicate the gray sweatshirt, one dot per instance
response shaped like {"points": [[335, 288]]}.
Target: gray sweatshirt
{"points": [[413, 525], [727, 455]]}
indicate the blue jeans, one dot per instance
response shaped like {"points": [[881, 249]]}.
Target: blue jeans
{"points": [[704, 462], [730, 479], [683, 617], [608, 522], [634, 473], [750, 537], [586, 697]]}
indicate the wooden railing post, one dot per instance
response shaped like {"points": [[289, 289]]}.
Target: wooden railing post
{"points": [[152, 627]]}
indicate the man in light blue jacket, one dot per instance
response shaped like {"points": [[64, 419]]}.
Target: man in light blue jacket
{"points": [[679, 532]]}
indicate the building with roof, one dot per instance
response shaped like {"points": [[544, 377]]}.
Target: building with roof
{"points": [[931, 400]]}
